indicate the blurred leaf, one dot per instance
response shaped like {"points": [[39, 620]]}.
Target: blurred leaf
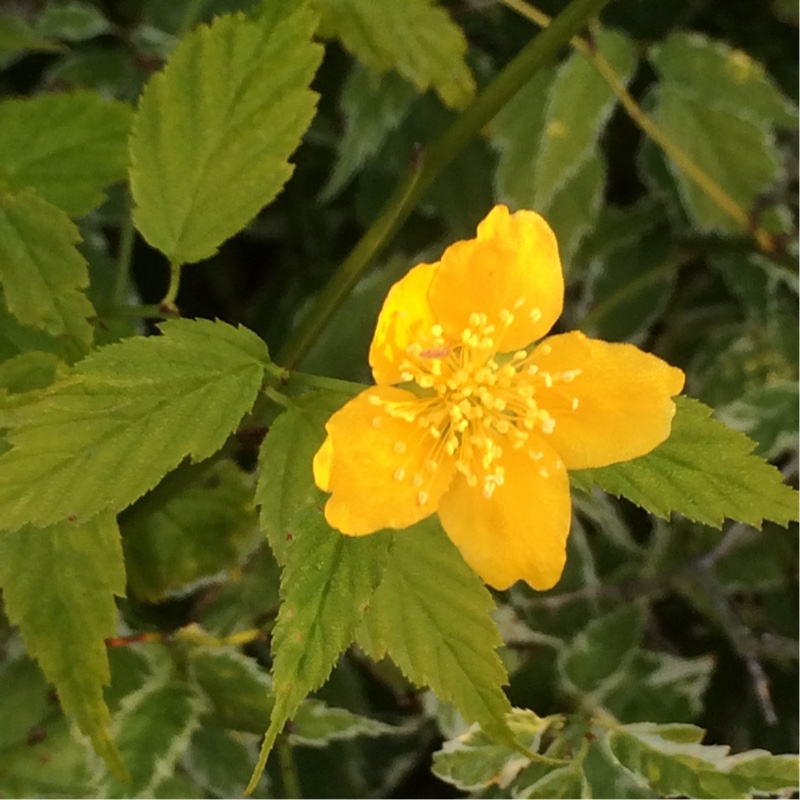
{"points": [[28, 371], [719, 76], [678, 476], [18, 37], [197, 522], [219, 762], [315, 724], [24, 702], [153, 728], [595, 661], [286, 485], [239, 691], [416, 38], [109, 68], [214, 130], [58, 586], [372, 105], [42, 272], [672, 762], [431, 614], [326, 586], [129, 414], [473, 761], [73, 21], [767, 414], [68, 147]]}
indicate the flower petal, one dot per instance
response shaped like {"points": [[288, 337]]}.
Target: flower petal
{"points": [[520, 532], [405, 318], [617, 407], [383, 471], [511, 268]]}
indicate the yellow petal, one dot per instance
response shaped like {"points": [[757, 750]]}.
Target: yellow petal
{"points": [[511, 268], [405, 318], [520, 532], [383, 471], [617, 407]]}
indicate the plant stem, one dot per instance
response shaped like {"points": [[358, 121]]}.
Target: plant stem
{"points": [[289, 776], [422, 172], [168, 303]]}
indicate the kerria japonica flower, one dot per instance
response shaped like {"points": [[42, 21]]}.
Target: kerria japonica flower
{"points": [[471, 421]]}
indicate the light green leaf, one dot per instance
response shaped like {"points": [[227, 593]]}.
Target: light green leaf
{"points": [[326, 586], [720, 76], [372, 105], [58, 586], [670, 763], [431, 614], [197, 522], [128, 414], [68, 147], [315, 724], [285, 484], [579, 105], [238, 690], [214, 130], [153, 728], [473, 761], [73, 21], [681, 476], [595, 660], [417, 38], [42, 272]]}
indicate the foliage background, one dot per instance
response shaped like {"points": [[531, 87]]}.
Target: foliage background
{"points": [[666, 622]]}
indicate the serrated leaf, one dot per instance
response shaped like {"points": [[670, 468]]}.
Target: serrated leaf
{"points": [[681, 475], [372, 105], [153, 728], [214, 130], [580, 103], [239, 691], [417, 38], [326, 585], [315, 724], [431, 614], [473, 761], [128, 414], [42, 272], [68, 147], [286, 484], [718, 75], [196, 523], [594, 661], [682, 766], [58, 586]]}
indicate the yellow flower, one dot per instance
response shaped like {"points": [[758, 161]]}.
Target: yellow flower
{"points": [[470, 421]]}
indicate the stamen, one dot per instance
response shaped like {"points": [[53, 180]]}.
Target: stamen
{"points": [[399, 474], [422, 498], [376, 421], [400, 448]]}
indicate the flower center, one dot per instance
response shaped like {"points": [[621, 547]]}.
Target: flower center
{"points": [[473, 402]]}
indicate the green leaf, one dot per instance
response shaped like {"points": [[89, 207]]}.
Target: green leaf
{"points": [[594, 661], [17, 37], [720, 76], [417, 38], [42, 272], [214, 130], [153, 728], [372, 105], [673, 763], [24, 701], [326, 586], [432, 615], [73, 21], [474, 761], [128, 414], [219, 761], [238, 690], [286, 484], [28, 371], [68, 147], [197, 522], [315, 724], [681, 475], [58, 585]]}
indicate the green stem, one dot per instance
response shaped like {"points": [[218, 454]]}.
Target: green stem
{"points": [[289, 776], [168, 303], [435, 158], [136, 312], [127, 236], [318, 382]]}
